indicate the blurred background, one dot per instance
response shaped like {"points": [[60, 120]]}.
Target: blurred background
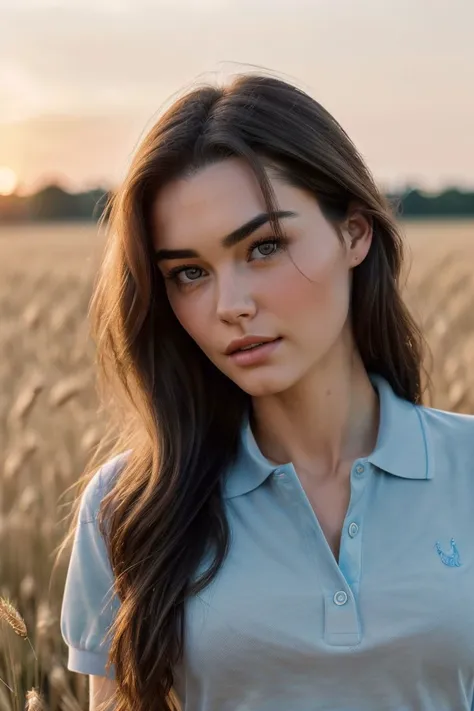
{"points": [[81, 82]]}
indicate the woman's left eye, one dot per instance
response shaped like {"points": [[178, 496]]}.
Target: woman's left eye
{"points": [[272, 243], [264, 246]]}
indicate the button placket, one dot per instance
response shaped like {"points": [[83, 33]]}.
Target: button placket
{"points": [[350, 554], [341, 617], [341, 620]]}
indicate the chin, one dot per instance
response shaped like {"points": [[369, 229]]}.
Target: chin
{"points": [[259, 384]]}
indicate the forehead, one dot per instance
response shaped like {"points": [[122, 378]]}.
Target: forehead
{"points": [[211, 203]]}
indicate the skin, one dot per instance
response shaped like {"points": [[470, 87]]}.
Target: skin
{"points": [[101, 690], [313, 402]]}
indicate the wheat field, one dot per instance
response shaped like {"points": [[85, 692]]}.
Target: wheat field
{"points": [[48, 416]]}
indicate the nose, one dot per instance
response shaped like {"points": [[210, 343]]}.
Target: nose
{"points": [[233, 299]]}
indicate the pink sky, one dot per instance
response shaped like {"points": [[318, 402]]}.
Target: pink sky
{"points": [[82, 80]]}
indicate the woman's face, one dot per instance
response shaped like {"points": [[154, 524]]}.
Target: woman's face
{"points": [[228, 291]]}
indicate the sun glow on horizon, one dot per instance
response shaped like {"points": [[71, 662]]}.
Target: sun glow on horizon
{"points": [[8, 180]]}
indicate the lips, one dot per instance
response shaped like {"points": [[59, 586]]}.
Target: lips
{"points": [[251, 357], [242, 343], [249, 348]]}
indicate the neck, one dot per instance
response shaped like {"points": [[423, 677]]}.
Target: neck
{"points": [[325, 421]]}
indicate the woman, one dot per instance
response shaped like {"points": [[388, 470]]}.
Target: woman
{"points": [[278, 517]]}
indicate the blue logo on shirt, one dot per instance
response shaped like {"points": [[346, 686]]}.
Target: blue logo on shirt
{"points": [[452, 560]]}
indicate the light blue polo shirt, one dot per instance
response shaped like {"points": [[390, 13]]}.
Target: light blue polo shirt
{"points": [[283, 626]]}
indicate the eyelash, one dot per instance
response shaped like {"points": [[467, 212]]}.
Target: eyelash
{"points": [[280, 242]]}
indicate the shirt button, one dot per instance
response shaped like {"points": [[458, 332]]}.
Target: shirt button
{"points": [[340, 598], [360, 469], [353, 530], [279, 473]]}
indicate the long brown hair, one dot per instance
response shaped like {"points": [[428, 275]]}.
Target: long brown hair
{"points": [[174, 412]]}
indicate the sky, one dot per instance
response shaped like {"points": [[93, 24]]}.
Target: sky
{"points": [[82, 81]]}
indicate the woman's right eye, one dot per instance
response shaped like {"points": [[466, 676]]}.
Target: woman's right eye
{"points": [[173, 274]]}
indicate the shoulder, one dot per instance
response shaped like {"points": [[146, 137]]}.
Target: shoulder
{"points": [[99, 485], [450, 431], [447, 423]]}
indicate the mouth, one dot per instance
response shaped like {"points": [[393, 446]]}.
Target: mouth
{"points": [[253, 346], [256, 353]]}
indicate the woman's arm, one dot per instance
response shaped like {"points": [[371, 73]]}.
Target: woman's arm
{"points": [[100, 689]]}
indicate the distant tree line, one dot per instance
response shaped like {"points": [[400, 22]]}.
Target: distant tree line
{"points": [[55, 203]]}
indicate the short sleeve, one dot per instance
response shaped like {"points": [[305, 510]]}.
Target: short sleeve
{"points": [[89, 603]]}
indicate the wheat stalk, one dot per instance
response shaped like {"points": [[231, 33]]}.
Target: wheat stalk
{"points": [[10, 615], [34, 702]]}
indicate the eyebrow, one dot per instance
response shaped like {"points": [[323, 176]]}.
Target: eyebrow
{"points": [[230, 240]]}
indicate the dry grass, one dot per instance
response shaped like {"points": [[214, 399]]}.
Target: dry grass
{"points": [[48, 420]]}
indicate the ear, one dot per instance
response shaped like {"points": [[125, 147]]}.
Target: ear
{"points": [[358, 232]]}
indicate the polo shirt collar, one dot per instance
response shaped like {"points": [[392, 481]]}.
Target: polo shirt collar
{"points": [[402, 449], [403, 446]]}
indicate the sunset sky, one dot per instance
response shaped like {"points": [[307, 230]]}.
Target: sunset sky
{"points": [[82, 80]]}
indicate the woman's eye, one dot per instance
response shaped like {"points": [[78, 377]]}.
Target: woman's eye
{"points": [[175, 275], [192, 276], [266, 248], [194, 269]]}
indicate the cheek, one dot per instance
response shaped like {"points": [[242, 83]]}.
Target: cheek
{"points": [[317, 288], [191, 312]]}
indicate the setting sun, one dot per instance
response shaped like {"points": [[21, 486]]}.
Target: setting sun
{"points": [[8, 180]]}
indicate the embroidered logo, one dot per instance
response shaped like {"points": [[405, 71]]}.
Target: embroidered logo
{"points": [[452, 560]]}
